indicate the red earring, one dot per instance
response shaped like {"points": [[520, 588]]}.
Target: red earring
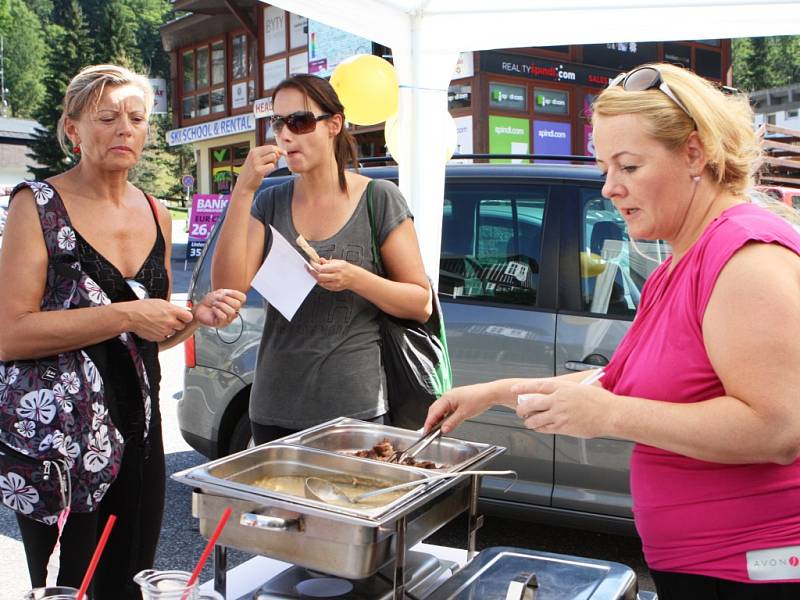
{"points": [[76, 149]]}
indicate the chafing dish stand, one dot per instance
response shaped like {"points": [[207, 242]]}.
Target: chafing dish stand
{"points": [[475, 521]]}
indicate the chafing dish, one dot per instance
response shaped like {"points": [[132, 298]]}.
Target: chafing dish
{"points": [[348, 541], [346, 435]]}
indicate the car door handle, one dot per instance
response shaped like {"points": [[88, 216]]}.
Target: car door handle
{"points": [[593, 362]]}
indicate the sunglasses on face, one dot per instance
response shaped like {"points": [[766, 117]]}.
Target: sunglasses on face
{"points": [[303, 121], [138, 289], [647, 78]]}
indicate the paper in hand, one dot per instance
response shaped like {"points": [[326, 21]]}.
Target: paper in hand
{"points": [[283, 279]]}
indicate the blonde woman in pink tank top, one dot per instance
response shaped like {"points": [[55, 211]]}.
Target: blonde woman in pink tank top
{"points": [[707, 379]]}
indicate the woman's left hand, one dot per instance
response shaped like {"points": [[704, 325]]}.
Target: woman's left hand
{"points": [[334, 275], [564, 407], [219, 308]]}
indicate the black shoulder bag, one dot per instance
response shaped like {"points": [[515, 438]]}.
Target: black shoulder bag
{"points": [[414, 355]]}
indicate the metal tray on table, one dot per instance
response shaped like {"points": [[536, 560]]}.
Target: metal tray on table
{"points": [[346, 436]]}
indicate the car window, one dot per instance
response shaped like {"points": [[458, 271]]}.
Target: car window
{"points": [[491, 242], [613, 268]]}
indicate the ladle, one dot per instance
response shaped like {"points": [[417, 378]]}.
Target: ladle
{"points": [[323, 490]]}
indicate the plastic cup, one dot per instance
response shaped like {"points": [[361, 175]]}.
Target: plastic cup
{"points": [[52, 593], [170, 585]]}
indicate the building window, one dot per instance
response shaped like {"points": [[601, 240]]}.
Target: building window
{"points": [[771, 118], [203, 80], [708, 63], [242, 71], [226, 162], [791, 114]]}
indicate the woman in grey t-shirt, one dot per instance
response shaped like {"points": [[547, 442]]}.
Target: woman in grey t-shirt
{"points": [[325, 362]]}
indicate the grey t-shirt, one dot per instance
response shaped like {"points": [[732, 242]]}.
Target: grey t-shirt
{"points": [[325, 362]]}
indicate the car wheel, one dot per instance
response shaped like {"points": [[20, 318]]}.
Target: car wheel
{"points": [[242, 436]]}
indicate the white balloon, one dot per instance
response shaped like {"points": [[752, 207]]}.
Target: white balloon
{"points": [[391, 133]]}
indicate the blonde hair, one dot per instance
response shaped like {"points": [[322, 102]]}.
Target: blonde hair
{"points": [[87, 87], [724, 123]]}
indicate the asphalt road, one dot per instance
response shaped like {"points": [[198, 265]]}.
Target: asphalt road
{"points": [[181, 543]]}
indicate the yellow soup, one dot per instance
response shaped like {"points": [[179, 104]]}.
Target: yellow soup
{"points": [[349, 486]]}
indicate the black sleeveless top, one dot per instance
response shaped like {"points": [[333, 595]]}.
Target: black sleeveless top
{"points": [[123, 393]]}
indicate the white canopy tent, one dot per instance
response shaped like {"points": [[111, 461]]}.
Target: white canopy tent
{"points": [[426, 37]]}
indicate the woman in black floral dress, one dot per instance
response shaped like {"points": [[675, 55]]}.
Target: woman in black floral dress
{"points": [[123, 239]]}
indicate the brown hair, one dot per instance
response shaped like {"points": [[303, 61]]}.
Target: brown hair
{"points": [[723, 122], [321, 92], [88, 85]]}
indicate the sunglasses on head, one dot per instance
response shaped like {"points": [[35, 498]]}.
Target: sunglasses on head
{"points": [[647, 78], [302, 121], [138, 289]]}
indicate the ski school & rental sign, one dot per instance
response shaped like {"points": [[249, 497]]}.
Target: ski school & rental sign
{"points": [[212, 129]]}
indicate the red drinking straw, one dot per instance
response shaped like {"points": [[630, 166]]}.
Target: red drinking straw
{"points": [[96, 557], [207, 552]]}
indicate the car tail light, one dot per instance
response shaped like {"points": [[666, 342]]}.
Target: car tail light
{"points": [[188, 347]]}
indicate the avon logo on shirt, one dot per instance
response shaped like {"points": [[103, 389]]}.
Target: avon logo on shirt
{"points": [[774, 564]]}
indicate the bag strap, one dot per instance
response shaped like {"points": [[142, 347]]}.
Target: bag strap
{"points": [[376, 253]]}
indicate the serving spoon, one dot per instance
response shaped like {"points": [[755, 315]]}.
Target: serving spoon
{"points": [[323, 490]]}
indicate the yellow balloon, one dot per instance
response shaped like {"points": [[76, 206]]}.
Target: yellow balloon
{"points": [[592, 264], [391, 133], [367, 87]]}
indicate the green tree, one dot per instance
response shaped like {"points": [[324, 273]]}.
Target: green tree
{"points": [[148, 16], [70, 51], [43, 10], [24, 56], [112, 28], [765, 62]]}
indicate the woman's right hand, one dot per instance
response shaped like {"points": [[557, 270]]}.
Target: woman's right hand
{"points": [[461, 403], [260, 161], [156, 320]]}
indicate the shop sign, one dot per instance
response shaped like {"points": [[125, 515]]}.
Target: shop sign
{"points": [[620, 56], [205, 212], [214, 129], [552, 102], [274, 30], [298, 63], [274, 72], [544, 70], [239, 95], [298, 34], [465, 67], [262, 108], [507, 97], [159, 86], [459, 96], [463, 138], [588, 140], [328, 46], [509, 135], [552, 137]]}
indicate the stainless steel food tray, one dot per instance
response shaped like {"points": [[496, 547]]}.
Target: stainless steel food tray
{"points": [[345, 435], [352, 543], [558, 577], [235, 476]]}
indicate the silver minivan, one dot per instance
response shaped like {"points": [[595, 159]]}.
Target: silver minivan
{"points": [[537, 278]]}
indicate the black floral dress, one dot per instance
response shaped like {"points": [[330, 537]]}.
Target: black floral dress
{"points": [[136, 496]]}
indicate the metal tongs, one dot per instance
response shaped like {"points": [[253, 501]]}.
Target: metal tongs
{"points": [[399, 456]]}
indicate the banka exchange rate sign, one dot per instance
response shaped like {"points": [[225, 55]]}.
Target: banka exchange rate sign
{"points": [[206, 210]]}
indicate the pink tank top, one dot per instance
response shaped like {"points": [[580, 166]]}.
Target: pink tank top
{"points": [[736, 522]]}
